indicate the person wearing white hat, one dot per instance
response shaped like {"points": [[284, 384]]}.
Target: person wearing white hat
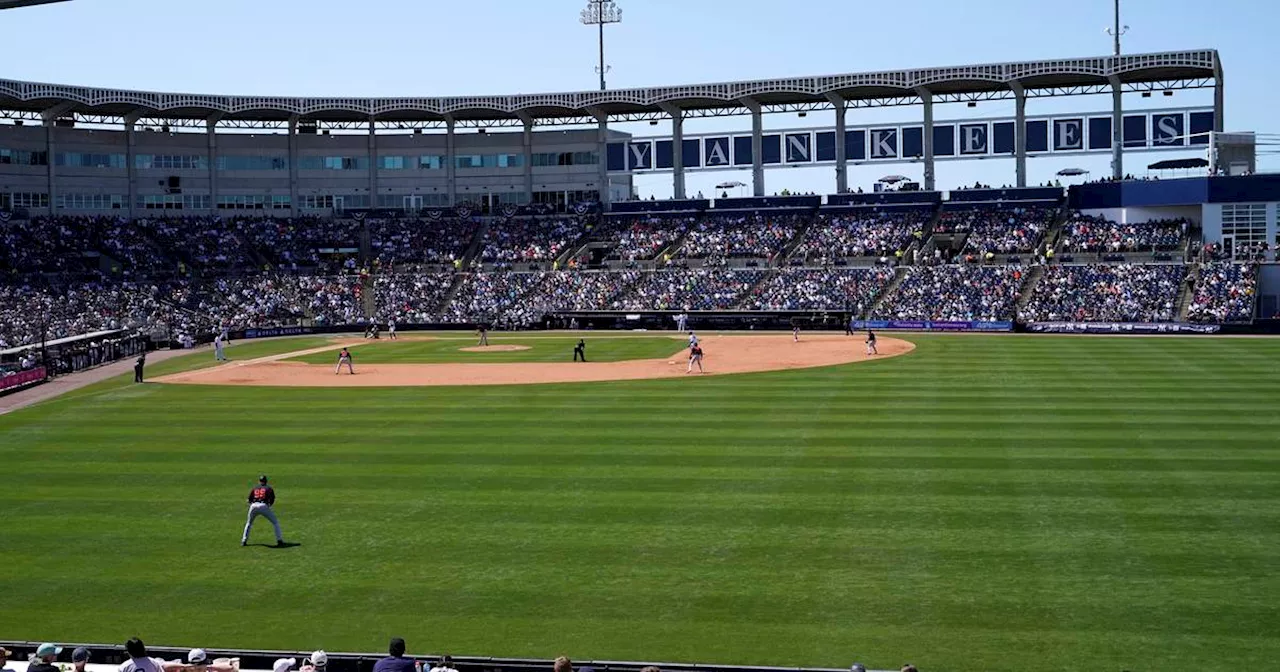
{"points": [[4, 659], [198, 660], [316, 662]]}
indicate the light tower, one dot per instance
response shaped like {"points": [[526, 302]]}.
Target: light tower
{"points": [[1118, 30], [598, 13]]}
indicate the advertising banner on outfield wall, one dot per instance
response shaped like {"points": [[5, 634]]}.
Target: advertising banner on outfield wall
{"points": [[274, 331], [1122, 328], [931, 325]]}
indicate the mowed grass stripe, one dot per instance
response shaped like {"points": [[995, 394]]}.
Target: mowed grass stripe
{"points": [[981, 503]]}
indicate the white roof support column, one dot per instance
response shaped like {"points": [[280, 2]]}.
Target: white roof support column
{"points": [[926, 99], [373, 165], [1117, 128], [211, 130], [294, 203], [527, 121], [50, 119], [842, 161], [131, 170], [757, 146], [451, 161], [1019, 133], [602, 179], [677, 149]]}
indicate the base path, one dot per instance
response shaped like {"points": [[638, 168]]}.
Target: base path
{"points": [[724, 354]]}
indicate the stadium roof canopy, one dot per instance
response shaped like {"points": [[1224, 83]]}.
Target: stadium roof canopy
{"points": [[1070, 76]]}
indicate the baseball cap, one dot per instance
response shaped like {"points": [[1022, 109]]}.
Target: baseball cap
{"points": [[80, 655], [319, 658], [198, 657], [48, 649], [284, 664], [857, 667], [262, 478]]}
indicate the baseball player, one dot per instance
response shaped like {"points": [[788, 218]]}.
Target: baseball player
{"points": [[693, 339], [795, 332], [871, 343], [391, 330], [261, 498], [484, 335], [580, 351], [695, 357], [344, 357], [218, 354]]}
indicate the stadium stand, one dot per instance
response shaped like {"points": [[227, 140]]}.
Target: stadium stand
{"points": [[1224, 292], [1095, 234], [860, 235], [1106, 293], [998, 230], [640, 238], [721, 237], [954, 293], [694, 289], [846, 289]]}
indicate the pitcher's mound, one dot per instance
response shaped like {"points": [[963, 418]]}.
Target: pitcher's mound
{"points": [[494, 348]]}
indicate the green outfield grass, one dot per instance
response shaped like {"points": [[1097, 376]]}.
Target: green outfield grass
{"points": [[599, 347], [983, 503]]}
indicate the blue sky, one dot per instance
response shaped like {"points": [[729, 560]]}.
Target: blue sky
{"points": [[438, 47]]}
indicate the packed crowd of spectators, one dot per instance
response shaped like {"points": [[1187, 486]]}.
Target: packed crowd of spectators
{"points": [[47, 244], [845, 289], [529, 239], [955, 293], [998, 230], [1102, 293], [586, 290], [494, 297], [411, 298], [1087, 233], [30, 313], [396, 242], [640, 238], [295, 243], [869, 235], [712, 288], [730, 236], [1224, 292]]}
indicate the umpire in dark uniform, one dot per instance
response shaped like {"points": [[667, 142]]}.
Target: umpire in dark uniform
{"points": [[137, 367], [580, 351]]}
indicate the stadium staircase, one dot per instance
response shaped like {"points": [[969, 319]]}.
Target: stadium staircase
{"points": [[451, 292], [368, 297], [784, 255], [477, 245], [750, 291], [899, 274], [578, 246], [1028, 287], [674, 246], [1187, 292]]}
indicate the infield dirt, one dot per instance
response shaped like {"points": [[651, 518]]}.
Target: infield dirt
{"points": [[724, 354]]}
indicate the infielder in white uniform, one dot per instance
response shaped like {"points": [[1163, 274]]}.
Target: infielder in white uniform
{"points": [[218, 355], [391, 329], [261, 498], [693, 339]]}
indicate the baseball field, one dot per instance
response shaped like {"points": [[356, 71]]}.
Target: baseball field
{"points": [[977, 503]]}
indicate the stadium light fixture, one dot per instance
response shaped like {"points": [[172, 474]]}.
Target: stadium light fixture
{"points": [[598, 13], [1118, 30], [17, 4]]}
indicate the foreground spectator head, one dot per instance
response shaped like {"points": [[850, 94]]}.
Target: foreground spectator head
{"points": [[909, 668], [563, 664], [397, 644], [198, 657], [4, 656], [80, 658], [135, 648], [857, 667], [48, 652], [318, 659]]}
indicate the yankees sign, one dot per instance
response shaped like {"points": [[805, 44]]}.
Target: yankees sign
{"points": [[888, 143]]}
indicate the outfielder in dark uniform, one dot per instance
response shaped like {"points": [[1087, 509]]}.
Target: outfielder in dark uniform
{"points": [[138, 366], [261, 498], [580, 351], [871, 343]]}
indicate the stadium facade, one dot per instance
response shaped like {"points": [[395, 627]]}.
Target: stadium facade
{"points": [[80, 149]]}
